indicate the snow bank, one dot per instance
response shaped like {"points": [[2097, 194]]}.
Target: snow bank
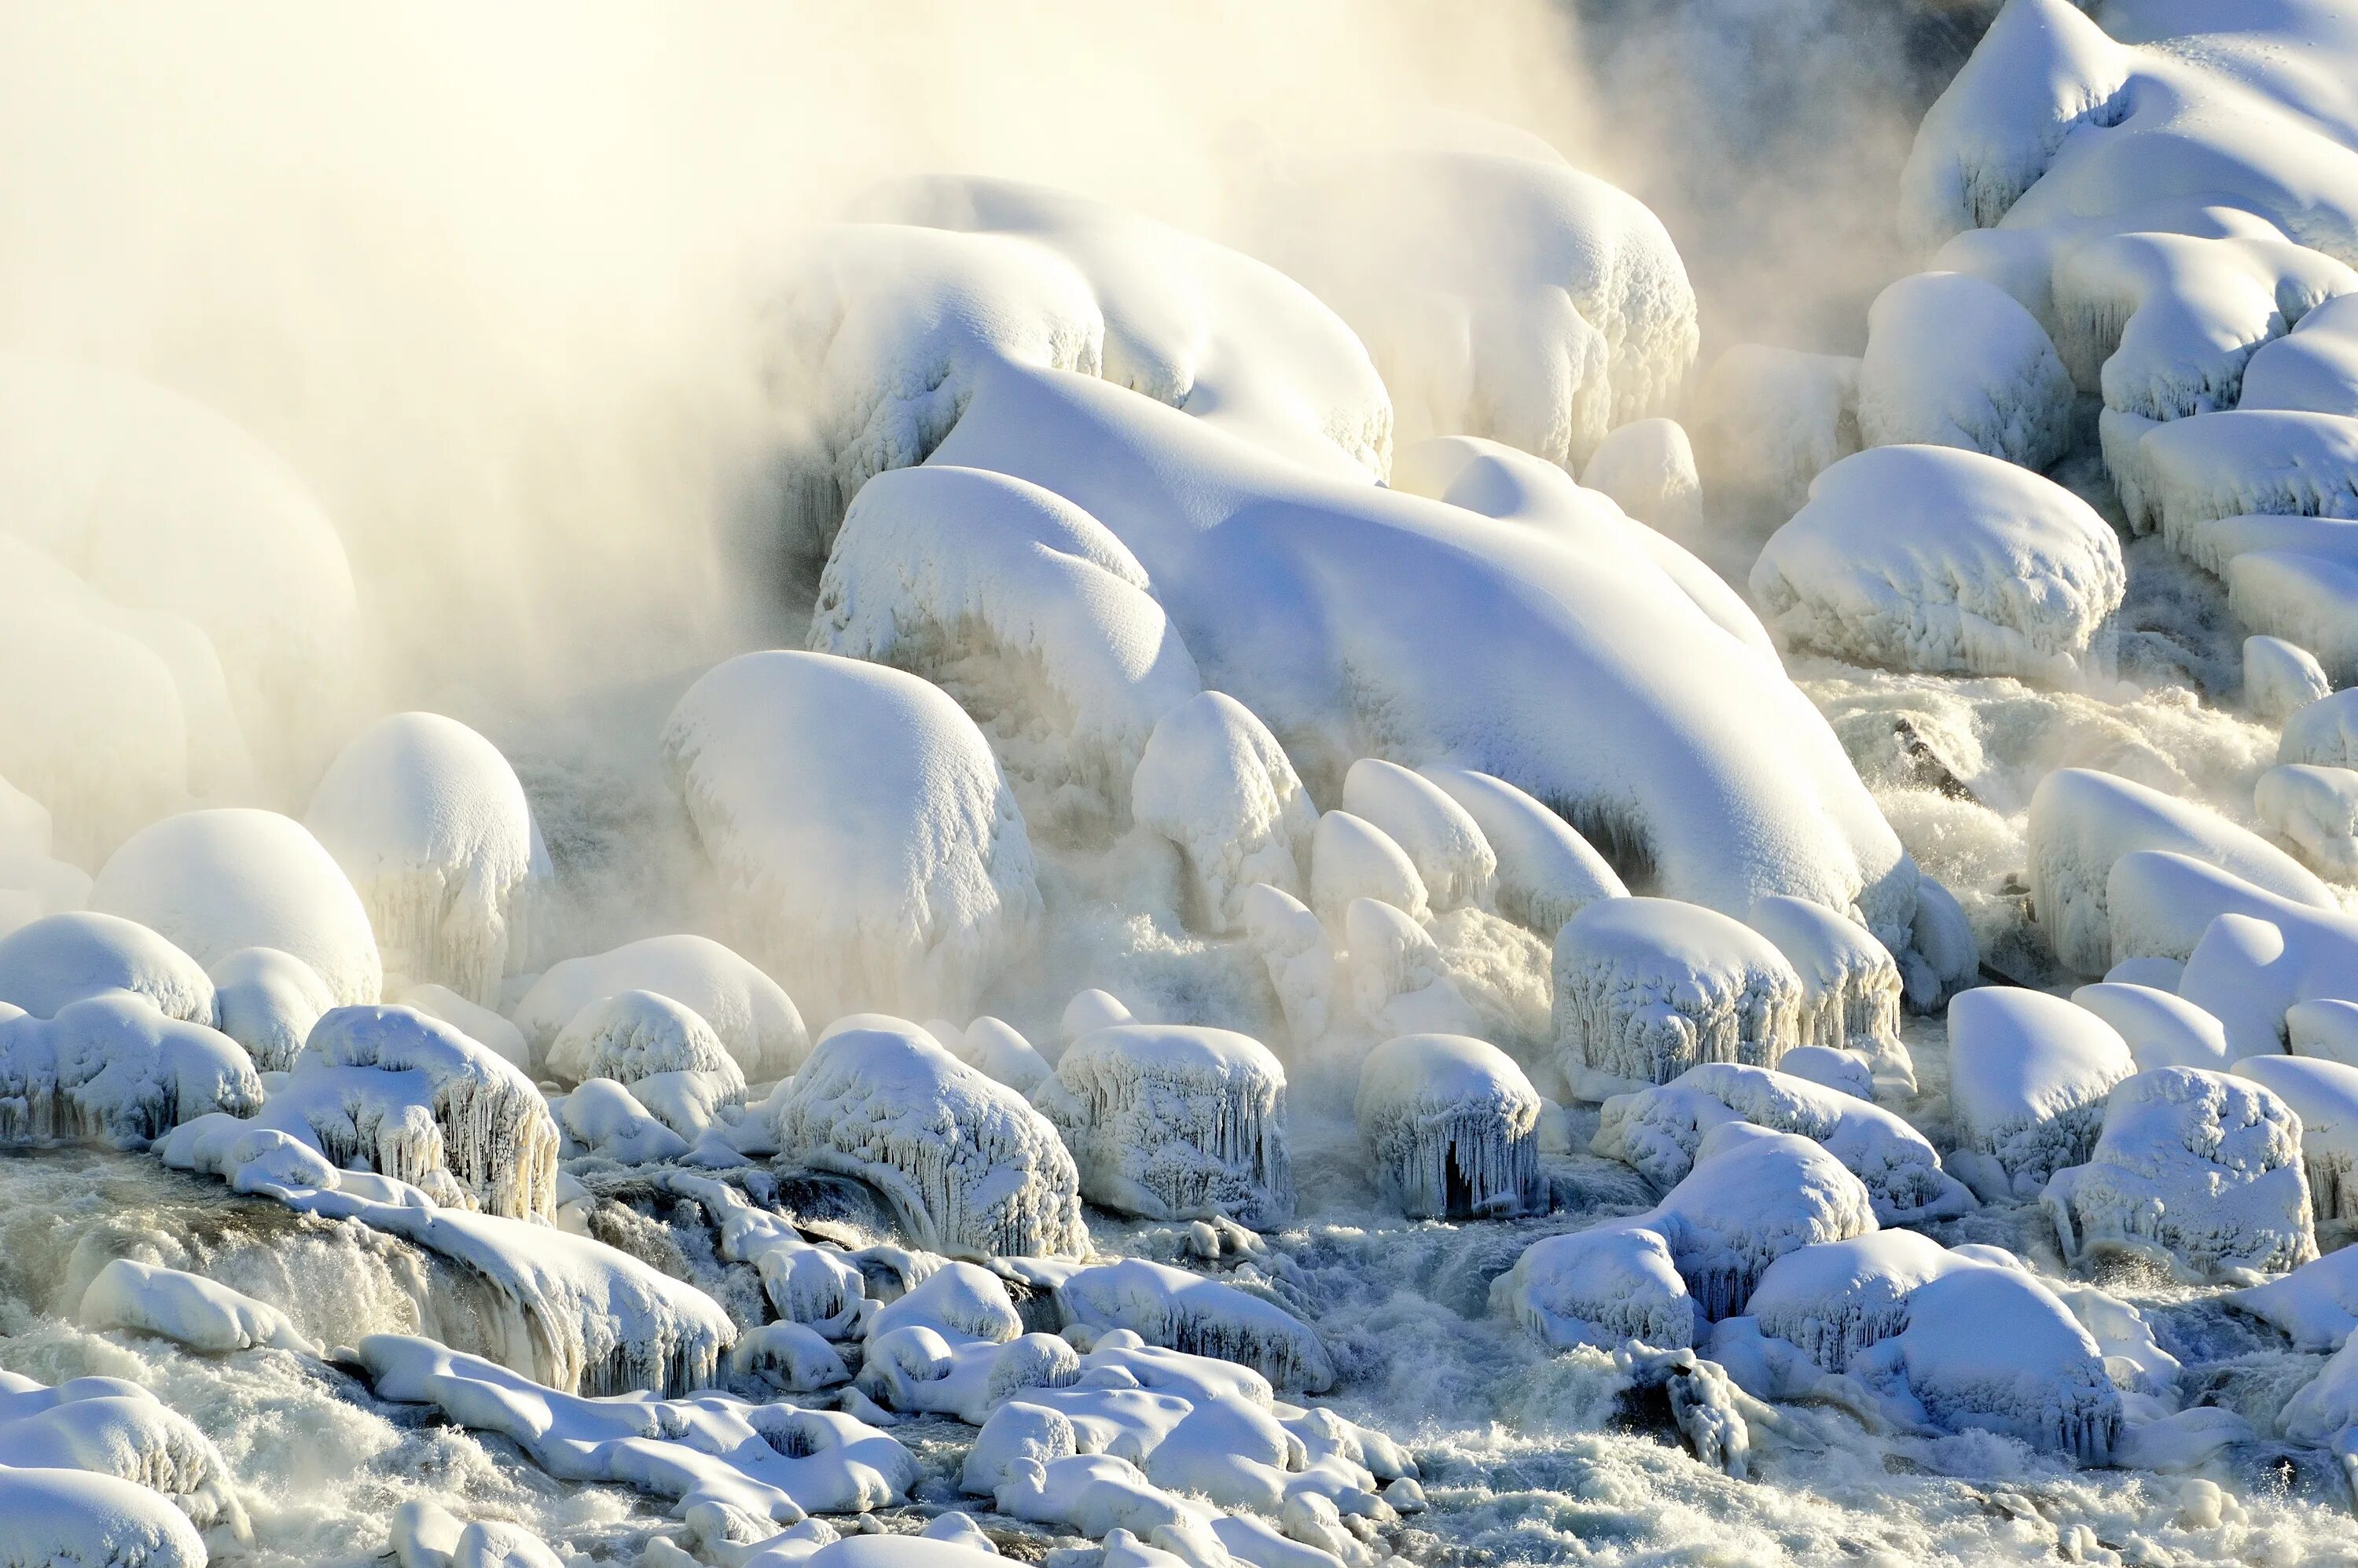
{"points": [[430, 823], [2324, 1095], [2195, 1170], [1645, 987], [1171, 1122], [1451, 1126], [2280, 678], [1441, 839], [109, 1429], [188, 1309], [1951, 361], [2083, 821], [1033, 617], [2317, 810], [861, 827], [63, 958], [1179, 1311], [267, 1000], [112, 1069], [754, 1017], [1850, 986], [2160, 1029], [965, 1162], [214, 881], [2324, 733], [1660, 1131], [1948, 562], [637, 1034], [1214, 781], [2028, 1075], [1546, 872]]}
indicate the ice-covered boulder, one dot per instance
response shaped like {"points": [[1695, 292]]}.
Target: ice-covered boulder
{"points": [[2323, 734], [1600, 1286], [430, 824], [2326, 1028], [2324, 1095], [1351, 857], [1214, 781], [214, 881], [1844, 1072], [2280, 678], [2316, 810], [1659, 1130], [2316, 1305], [1033, 618], [2196, 1170], [267, 1000], [1952, 360], [64, 958], [189, 1309], [1647, 467], [1546, 872], [1850, 986], [2082, 822], [2186, 473], [1179, 1311], [2161, 1029], [1173, 1122], [866, 836], [100, 1430], [748, 1010], [2309, 600], [637, 1034], [1942, 561], [2248, 971], [1453, 859], [965, 1162], [1451, 1127], [604, 1118], [997, 1050], [111, 1068], [2028, 1075], [1645, 987], [1833, 1300], [77, 1516], [477, 1023]]}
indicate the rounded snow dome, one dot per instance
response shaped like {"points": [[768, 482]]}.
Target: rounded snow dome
{"points": [[635, 1035], [60, 959]]}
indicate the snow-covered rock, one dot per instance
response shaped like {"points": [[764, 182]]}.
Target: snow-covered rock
{"points": [[2083, 821], [111, 1068], [1647, 467], [2196, 1170], [2028, 1075], [637, 1034], [214, 881], [1834, 1299], [2326, 1028], [481, 1025], [1850, 986], [1351, 857], [1214, 781], [2324, 1095], [78, 1516], [1451, 1127], [603, 1117], [64, 958], [1179, 1311], [2323, 734], [2249, 971], [1394, 976], [1645, 987], [1090, 1011], [1033, 617], [1453, 859], [1844, 1072], [2160, 1029], [2185, 472], [998, 1050], [1952, 360], [1608, 1283], [430, 824], [1173, 1122], [2309, 600], [964, 1161], [2316, 1304], [188, 1309], [99, 1430], [1943, 561], [2280, 678], [865, 835], [2316, 809], [751, 1013], [1546, 872], [1660, 1131], [267, 1000]]}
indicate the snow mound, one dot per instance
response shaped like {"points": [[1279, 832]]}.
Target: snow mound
{"points": [[1850, 986], [1034, 619], [965, 1162], [1546, 872], [754, 1017], [267, 1000], [2280, 678], [1835, 1299], [916, 1369], [430, 824], [2160, 1028], [1214, 781], [2317, 810], [1951, 361], [1451, 1127], [1844, 1072], [1441, 839], [2309, 600], [214, 881], [110, 1429], [2082, 822], [604, 1118], [1645, 987], [63, 958], [2326, 1028], [2186, 472], [2028, 1075], [2314, 366], [1602, 1286], [1659, 1130], [2195, 1170], [2249, 972], [2324, 1095], [996, 1049], [481, 1025], [1647, 467], [2323, 734], [2316, 1304], [637, 1034], [1942, 561], [112, 1069], [186, 1308], [1350, 858], [1175, 1310], [1171, 1122], [59, 1516], [864, 833]]}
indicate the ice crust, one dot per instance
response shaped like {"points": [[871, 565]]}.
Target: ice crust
{"points": [[2028, 1077], [1645, 987], [1451, 1127], [751, 1013]]}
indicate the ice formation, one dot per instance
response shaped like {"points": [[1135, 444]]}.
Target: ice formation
{"points": [[2198, 1170], [2281, 679], [215, 881], [1546, 872], [1179, 1311], [2316, 810], [2160, 1028], [637, 1034], [106, 1429], [428, 821], [1647, 467], [1175, 1123], [2324, 1095], [1850, 986], [2325, 1028], [1948, 562], [870, 847], [1645, 987], [112, 1069], [965, 1163], [1451, 1126], [1453, 859], [754, 1017], [267, 1000], [1214, 781], [1659, 1130], [1770, 420], [2082, 822], [50, 963], [2028, 1075], [187, 1308], [2323, 734], [1951, 361], [2248, 972], [1351, 857]]}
